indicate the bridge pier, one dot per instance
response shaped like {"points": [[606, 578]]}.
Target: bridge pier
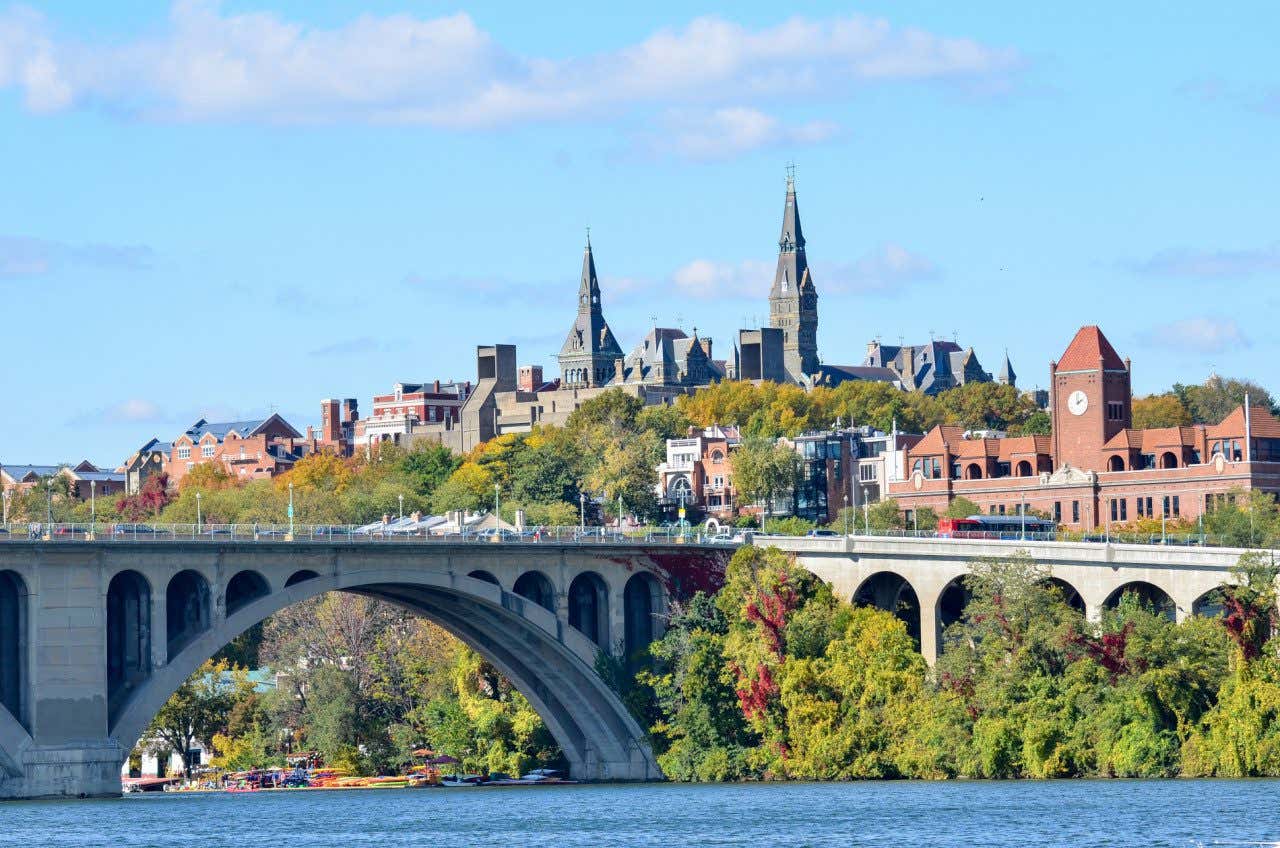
{"points": [[97, 634]]}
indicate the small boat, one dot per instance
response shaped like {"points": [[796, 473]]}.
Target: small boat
{"points": [[461, 780]]}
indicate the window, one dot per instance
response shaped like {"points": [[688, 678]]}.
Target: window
{"points": [[867, 472], [184, 452], [1075, 512], [955, 471], [1115, 510], [936, 469], [1115, 410], [1177, 511], [1147, 460], [1002, 509], [206, 451], [1057, 512], [1002, 469], [1124, 509], [1236, 455]]}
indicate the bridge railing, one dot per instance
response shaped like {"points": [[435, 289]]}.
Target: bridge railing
{"points": [[347, 533], [1099, 537]]}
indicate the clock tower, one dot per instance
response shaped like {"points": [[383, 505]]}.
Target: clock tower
{"points": [[1090, 400]]}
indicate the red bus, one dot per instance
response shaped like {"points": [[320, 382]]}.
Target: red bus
{"points": [[995, 527]]}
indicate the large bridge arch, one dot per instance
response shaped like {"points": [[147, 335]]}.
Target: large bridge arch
{"points": [[550, 664], [890, 591]]}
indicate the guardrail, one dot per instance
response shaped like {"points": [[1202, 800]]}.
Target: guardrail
{"points": [[1207, 540], [342, 533]]}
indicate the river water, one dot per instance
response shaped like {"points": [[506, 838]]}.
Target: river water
{"points": [[1075, 813]]}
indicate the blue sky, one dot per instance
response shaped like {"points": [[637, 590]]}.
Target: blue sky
{"points": [[219, 209]]}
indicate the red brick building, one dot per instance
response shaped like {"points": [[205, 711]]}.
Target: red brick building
{"points": [[410, 407], [1096, 469], [698, 472], [247, 450]]}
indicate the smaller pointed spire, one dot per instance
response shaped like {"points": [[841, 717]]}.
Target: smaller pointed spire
{"points": [[1007, 375]]}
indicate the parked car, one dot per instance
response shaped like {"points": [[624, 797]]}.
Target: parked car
{"points": [[819, 531]]}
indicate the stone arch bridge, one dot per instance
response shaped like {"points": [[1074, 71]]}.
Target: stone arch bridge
{"points": [[95, 635], [920, 578]]}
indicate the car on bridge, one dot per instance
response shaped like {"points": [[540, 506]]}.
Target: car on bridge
{"points": [[132, 530]]}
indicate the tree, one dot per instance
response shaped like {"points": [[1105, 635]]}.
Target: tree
{"points": [[197, 710], [1245, 519], [429, 466], [469, 488], [1218, 397], [962, 507], [763, 470], [150, 500], [1164, 410]]}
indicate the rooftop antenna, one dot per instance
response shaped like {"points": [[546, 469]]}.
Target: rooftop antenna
{"points": [[653, 319], [680, 320], [955, 336], [931, 335], [588, 235], [791, 172]]}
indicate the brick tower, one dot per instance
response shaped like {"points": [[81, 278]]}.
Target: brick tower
{"points": [[1090, 399]]}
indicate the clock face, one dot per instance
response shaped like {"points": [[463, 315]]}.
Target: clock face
{"points": [[1078, 402]]}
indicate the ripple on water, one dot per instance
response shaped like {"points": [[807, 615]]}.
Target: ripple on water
{"points": [[898, 814]]}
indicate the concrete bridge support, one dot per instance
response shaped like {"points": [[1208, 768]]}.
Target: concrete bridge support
{"points": [[883, 571], [101, 634]]}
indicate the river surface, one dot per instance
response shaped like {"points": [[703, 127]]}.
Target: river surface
{"points": [[1075, 813]]}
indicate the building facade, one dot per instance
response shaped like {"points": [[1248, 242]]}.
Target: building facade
{"points": [[409, 408], [698, 473], [1096, 470]]}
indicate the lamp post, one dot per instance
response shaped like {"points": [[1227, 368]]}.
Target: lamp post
{"points": [[199, 514], [401, 497], [582, 512], [1164, 517], [93, 504], [48, 486], [496, 513], [5, 495], [619, 511], [846, 513], [290, 509], [866, 511]]}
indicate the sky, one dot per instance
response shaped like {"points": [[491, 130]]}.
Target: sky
{"points": [[223, 209]]}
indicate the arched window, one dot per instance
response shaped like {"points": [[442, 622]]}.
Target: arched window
{"points": [[1115, 463], [1024, 469], [1168, 460], [973, 471]]}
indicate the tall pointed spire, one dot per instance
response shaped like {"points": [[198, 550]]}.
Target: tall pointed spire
{"points": [[590, 352], [589, 287], [1007, 375], [793, 299], [792, 238]]}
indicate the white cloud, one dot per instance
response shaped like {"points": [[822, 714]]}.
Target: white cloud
{"points": [[727, 132], [132, 410], [707, 279], [888, 270], [1211, 263], [1201, 335], [208, 65], [21, 256]]}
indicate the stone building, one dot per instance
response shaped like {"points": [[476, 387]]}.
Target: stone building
{"points": [[590, 353], [793, 298], [930, 368], [1096, 470]]}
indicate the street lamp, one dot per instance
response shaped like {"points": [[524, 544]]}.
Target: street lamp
{"points": [[866, 510], [582, 512], [401, 497], [5, 495], [619, 511], [291, 509], [199, 514], [48, 485], [846, 513], [496, 513], [93, 504]]}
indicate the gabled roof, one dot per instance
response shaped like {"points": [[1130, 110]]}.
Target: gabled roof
{"points": [[1086, 349], [939, 437], [243, 429], [1262, 424], [19, 473]]}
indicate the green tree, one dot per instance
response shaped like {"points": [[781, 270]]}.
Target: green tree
{"points": [[197, 710], [1163, 410], [764, 471]]}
